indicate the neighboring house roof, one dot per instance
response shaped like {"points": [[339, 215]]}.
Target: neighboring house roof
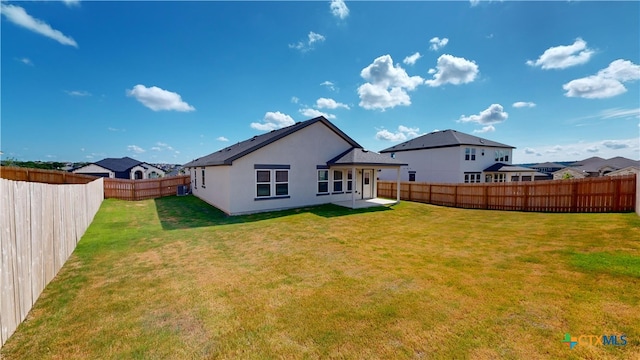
{"points": [[118, 165], [359, 156], [547, 165], [500, 167], [595, 164], [227, 155], [625, 171], [445, 138]]}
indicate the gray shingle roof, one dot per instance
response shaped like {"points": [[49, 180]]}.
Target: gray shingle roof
{"points": [[118, 164], [227, 155], [508, 168], [594, 164], [359, 156], [547, 165], [445, 138]]}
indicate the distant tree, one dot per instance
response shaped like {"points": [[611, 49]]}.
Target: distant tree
{"points": [[567, 176]]}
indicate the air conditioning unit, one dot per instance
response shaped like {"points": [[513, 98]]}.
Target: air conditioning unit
{"points": [[182, 190]]}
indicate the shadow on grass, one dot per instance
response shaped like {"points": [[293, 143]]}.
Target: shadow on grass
{"points": [[186, 212]]}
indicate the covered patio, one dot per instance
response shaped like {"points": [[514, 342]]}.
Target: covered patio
{"points": [[366, 203], [365, 166]]}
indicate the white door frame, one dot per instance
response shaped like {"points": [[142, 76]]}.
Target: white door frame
{"points": [[367, 189]]}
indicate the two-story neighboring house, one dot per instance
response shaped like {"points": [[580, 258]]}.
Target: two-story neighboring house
{"points": [[450, 156]]}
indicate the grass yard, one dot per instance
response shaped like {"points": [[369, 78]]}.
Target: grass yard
{"points": [[175, 278]]}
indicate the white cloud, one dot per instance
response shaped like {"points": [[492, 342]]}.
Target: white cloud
{"points": [[620, 113], [71, 3], [615, 144], [313, 113], [437, 43], [402, 134], [222, 138], [324, 103], [329, 85], [606, 83], [115, 130], [339, 9], [561, 57], [273, 121], [295, 100], [592, 149], [164, 146], [494, 114], [19, 16], [309, 45], [411, 60], [453, 70], [158, 99], [474, 2], [26, 61], [78, 93], [156, 148], [485, 129], [522, 104], [387, 85], [136, 149]]}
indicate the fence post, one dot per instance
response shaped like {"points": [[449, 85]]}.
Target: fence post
{"points": [[455, 196], [133, 190], [616, 193], [574, 196], [410, 186], [485, 196], [429, 198], [526, 197]]}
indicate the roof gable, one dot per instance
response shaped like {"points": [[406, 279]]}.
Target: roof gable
{"points": [[118, 164], [227, 155], [445, 138], [359, 156]]}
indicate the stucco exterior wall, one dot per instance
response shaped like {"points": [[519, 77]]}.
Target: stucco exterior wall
{"points": [[443, 165], [216, 189], [302, 151], [94, 169]]}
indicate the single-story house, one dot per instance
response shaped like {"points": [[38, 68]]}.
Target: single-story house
{"points": [[500, 172], [308, 163], [594, 167], [629, 170], [121, 168], [448, 156], [548, 168]]}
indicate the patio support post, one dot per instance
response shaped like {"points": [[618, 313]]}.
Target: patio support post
{"points": [[398, 185], [354, 178]]}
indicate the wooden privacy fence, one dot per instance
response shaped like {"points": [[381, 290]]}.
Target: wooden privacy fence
{"points": [[113, 188], [40, 226], [43, 176], [601, 194], [143, 189]]}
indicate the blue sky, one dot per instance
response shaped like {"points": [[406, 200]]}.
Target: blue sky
{"points": [[171, 81]]}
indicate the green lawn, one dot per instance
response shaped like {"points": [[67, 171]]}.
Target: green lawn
{"points": [[175, 278]]}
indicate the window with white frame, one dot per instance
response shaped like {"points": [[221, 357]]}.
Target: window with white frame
{"points": [[203, 183], [499, 177], [470, 154], [272, 183], [470, 178], [323, 181], [263, 183], [337, 181], [502, 155], [349, 181]]}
